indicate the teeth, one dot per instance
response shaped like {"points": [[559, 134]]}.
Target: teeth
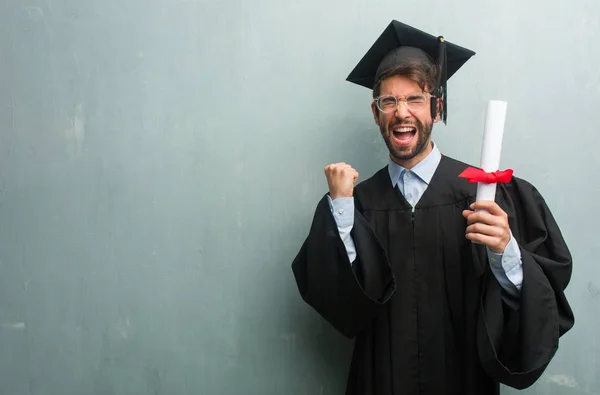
{"points": [[403, 130]]}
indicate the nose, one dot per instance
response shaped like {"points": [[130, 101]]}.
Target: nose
{"points": [[401, 110]]}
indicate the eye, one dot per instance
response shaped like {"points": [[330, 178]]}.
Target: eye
{"points": [[387, 101], [416, 100]]}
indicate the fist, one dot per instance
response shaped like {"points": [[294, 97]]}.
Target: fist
{"points": [[340, 178]]}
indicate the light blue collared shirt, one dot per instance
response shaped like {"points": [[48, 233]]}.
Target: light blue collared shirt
{"points": [[413, 183], [506, 267]]}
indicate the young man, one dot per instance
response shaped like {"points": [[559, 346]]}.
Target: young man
{"points": [[443, 294]]}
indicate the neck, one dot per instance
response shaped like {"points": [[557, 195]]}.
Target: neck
{"points": [[415, 160]]}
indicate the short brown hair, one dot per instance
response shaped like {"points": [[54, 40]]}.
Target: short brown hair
{"points": [[423, 73]]}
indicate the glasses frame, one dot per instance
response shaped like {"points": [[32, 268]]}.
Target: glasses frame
{"points": [[428, 96]]}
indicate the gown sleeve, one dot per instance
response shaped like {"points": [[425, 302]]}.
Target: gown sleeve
{"points": [[516, 345], [347, 295]]}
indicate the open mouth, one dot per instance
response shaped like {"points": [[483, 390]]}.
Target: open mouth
{"points": [[404, 135]]}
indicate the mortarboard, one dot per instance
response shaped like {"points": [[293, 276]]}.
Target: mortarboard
{"points": [[399, 43]]}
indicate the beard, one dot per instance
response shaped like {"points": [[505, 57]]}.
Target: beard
{"points": [[405, 153]]}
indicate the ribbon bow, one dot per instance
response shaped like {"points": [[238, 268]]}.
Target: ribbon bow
{"points": [[473, 174]]}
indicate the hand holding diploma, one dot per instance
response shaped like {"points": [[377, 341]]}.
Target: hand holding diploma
{"points": [[488, 223]]}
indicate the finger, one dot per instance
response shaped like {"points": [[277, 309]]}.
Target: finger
{"points": [[483, 239], [493, 243], [480, 216], [334, 165], [486, 230], [341, 166], [343, 171], [330, 168], [486, 218], [333, 169], [489, 206]]}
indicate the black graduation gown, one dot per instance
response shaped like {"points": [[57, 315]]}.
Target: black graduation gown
{"points": [[427, 314]]}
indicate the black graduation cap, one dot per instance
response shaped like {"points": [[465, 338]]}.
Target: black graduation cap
{"points": [[400, 43]]}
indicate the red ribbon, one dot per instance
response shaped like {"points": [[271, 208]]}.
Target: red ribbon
{"points": [[473, 174]]}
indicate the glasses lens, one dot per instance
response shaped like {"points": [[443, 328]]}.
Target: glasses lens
{"points": [[387, 103], [416, 101]]}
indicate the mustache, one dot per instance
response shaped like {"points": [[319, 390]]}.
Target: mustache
{"points": [[402, 124]]}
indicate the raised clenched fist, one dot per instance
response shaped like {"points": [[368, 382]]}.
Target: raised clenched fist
{"points": [[340, 178]]}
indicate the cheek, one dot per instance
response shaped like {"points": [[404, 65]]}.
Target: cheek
{"points": [[384, 119], [423, 117]]}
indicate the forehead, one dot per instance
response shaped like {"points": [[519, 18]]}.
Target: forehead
{"points": [[399, 85]]}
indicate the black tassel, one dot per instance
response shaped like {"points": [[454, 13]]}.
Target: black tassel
{"points": [[442, 82]]}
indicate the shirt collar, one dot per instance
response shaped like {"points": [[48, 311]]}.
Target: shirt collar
{"points": [[424, 169]]}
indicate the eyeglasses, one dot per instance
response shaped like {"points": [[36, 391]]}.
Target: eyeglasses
{"points": [[413, 102]]}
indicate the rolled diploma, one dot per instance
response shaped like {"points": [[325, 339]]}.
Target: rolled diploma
{"points": [[491, 146]]}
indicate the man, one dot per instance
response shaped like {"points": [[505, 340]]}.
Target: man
{"points": [[443, 294]]}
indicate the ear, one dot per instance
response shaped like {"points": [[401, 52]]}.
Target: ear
{"points": [[438, 110], [375, 111]]}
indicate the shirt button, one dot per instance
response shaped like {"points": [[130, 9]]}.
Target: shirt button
{"points": [[412, 202], [341, 211], [409, 174], [493, 259]]}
